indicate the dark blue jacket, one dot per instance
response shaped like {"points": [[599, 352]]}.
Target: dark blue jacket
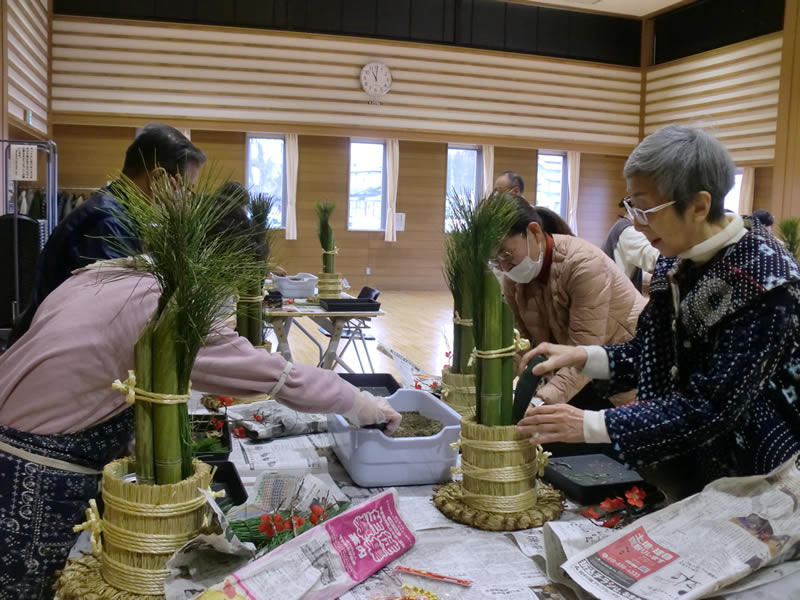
{"points": [[718, 381], [91, 232]]}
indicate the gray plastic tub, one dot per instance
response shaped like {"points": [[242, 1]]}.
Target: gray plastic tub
{"points": [[375, 460]]}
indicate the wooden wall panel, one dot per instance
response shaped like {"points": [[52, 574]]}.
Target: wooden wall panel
{"points": [[762, 189], [225, 150], [90, 156], [601, 187], [28, 71], [220, 75], [523, 161], [733, 91]]}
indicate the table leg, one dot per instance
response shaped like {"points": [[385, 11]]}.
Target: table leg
{"points": [[279, 325], [333, 344]]}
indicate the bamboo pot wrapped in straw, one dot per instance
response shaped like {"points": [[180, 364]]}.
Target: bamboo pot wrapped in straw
{"points": [[458, 391], [142, 526], [329, 285]]}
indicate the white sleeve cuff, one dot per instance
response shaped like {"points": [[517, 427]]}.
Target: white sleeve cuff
{"points": [[594, 427], [596, 363]]}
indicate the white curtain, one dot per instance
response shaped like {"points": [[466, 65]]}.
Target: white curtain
{"points": [[487, 151], [392, 166], [290, 147], [746, 191], [574, 175]]}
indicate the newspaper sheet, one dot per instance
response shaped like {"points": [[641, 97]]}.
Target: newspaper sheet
{"points": [[701, 545], [326, 561], [489, 559], [271, 419], [300, 454]]}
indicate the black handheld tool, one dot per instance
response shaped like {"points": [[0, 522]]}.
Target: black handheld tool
{"points": [[526, 388], [380, 426]]}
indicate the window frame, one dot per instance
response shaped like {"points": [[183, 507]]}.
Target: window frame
{"points": [[382, 142], [269, 136], [564, 180], [478, 175], [738, 172]]}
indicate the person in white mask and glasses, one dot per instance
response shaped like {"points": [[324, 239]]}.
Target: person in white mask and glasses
{"points": [[564, 290]]}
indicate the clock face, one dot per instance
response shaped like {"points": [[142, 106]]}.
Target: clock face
{"points": [[376, 79]]}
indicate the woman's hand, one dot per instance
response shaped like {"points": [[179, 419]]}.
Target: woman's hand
{"points": [[553, 423], [558, 357], [369, 410]]}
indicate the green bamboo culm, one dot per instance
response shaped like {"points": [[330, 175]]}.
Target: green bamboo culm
{"points": [[326, 237], [143, 411], [486, 225], [166, 418], [200, 249], [789, 233], [260, 206]]}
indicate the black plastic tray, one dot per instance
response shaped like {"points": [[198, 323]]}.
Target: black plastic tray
{"points": [[227, 478], [590, 478], [349, 304], [226, 440], [377, 384]]}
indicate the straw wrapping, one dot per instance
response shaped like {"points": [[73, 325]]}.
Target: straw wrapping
{"points": [[133, 393]]}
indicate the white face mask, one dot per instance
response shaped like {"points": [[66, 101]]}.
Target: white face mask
{"points": [[499, 275], [527, 270]]}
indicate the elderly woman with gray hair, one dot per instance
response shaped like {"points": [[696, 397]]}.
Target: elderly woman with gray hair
{"points": [[716, 356]]}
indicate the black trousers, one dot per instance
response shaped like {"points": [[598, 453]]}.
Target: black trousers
{"points": [[589, 398]]}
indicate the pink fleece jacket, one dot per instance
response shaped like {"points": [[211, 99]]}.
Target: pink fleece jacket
{"points": [[57, 377]]}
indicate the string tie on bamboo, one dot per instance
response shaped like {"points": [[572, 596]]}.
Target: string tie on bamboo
{"points": [[133, 393], [520, 344], [448, 389], [94, 524], [457, 320], [334, 251]]}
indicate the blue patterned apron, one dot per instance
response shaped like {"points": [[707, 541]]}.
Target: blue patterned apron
{"points": [[40, 504]]}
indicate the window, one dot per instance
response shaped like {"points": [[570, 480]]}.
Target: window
{"points": [[367, 206], [266, 174], [464, 169], [732, 197], [552, 183]]}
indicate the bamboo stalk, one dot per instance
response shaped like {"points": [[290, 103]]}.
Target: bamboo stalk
{"points": [[491, 385], [242, 320], [143, 411], [467, 338], [166, 417], [326, 236], [255, 325], [507, 392]]}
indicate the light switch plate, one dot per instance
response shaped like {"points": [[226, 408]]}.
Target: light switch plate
{"points": [[400, 221]]}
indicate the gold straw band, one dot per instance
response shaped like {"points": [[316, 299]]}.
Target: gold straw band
{"points": [[520, 344], [463, 322], [153, 510], [500, 474], [500, 504], [145, 543], [334, 251], [253, 299], [503, 446], [133, 579], [132, 393], [448, 389]]}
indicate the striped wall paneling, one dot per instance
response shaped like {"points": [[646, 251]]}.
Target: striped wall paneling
{"points": [[208, 74], [28, 62], [733, 91]]}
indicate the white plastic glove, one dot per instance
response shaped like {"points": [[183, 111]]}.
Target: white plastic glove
{"points": [[369, 410]]}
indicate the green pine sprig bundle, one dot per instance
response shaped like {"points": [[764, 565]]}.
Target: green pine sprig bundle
{"points": [[789, 233], [456, 253], [198, 264], [485, 225], [326, 237]]}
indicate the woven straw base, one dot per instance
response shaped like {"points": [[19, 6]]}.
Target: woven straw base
{"points": [[458, 392], [549, 506], [81, 580]]}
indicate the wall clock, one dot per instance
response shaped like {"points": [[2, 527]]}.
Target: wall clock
{"points": [[376, 80]]}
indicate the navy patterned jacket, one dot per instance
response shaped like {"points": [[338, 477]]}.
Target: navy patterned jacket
{"points": [[718, 381]]}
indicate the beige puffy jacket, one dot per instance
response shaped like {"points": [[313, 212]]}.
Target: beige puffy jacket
{"points": [[580, 298]]}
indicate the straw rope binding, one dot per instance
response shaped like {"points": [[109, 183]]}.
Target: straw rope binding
{"points": [[458, 391], [133, 393]]}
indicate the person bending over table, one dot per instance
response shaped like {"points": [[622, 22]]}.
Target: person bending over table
{"points": [[61, 422], [564, 289], [716, 357]]}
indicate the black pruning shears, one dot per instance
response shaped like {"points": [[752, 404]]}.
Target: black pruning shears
{"points": [[379, 426], [526, 388]]}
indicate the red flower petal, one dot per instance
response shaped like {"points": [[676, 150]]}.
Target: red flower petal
{"points": [[612, 522], [591, 513]]}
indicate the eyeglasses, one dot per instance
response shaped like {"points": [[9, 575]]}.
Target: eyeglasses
{"points": [[637, 215], [501, 260]]}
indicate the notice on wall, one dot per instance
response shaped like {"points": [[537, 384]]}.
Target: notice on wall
{"points": [[23, 163]]}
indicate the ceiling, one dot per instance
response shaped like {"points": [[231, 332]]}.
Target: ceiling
{"points": [[634, 8]]}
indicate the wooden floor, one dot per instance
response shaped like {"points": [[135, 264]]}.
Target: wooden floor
{"points": [[418, 325]]}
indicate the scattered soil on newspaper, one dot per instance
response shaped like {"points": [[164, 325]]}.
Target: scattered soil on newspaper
{"points": [[417, 425]]}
